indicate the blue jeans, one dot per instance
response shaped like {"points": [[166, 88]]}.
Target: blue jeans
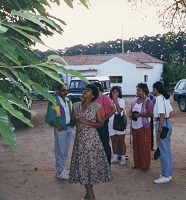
{"points": [[61, 147], [165, 150]]}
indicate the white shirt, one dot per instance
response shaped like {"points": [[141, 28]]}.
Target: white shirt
{"points": [[162, 105], [137, 124], [121, 104], [66, 108]]}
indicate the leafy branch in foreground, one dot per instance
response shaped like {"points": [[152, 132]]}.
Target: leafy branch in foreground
{"points": [[22, 23]]}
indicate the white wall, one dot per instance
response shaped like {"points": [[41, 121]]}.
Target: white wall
{"points": [[130, 74]]}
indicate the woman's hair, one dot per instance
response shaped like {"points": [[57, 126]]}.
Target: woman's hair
{"points": [[98, 85], [160, 88], [117, 88], [144, 87], [94, 89]]}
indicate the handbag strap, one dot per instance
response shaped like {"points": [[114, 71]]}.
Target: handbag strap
{"points": [[165, 111]]}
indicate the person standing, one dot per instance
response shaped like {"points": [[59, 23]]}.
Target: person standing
{"points": [[163, 111], [117, 136], [107, 109], [59, 115], [140, 113], [89, 163]]}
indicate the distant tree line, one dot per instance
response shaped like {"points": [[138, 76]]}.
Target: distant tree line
{"points": [[169, 47]]}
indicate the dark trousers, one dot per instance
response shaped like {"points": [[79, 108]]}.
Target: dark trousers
{"points": [[152, 132], [104, 136]]}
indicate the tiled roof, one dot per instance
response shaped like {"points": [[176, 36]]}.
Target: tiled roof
{"points": [[138, 58]]}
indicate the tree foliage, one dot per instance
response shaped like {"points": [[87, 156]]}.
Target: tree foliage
{"points": [[22, 23]]}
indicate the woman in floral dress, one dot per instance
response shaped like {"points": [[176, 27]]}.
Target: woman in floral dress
{"points": [[89, 163]]}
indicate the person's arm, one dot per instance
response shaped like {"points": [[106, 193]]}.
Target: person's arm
{"points": [[149, 110], [55, 124], [115, 101], [162, 117], [118, 108], [171, 114], [150, 114], [110, 113], [97, 124]]}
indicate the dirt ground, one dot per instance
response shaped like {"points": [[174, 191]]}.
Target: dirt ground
{"points": [[28, 172]]}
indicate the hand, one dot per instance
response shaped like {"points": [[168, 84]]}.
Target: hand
{"points": [[158, 136], [115, 98], [59, 128], [82, 120], [137, 115]]}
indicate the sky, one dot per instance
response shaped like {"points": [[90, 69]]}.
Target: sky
{"points": [[105, 20]]}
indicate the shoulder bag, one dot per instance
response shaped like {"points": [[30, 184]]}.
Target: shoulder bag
{"points": [[165, 129], [119, 123]]}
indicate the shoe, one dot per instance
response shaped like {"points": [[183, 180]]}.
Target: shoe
{"points": [[63, 175], [162, 179], [123, 161], [170, 177], [66, 171], [114, 160]]}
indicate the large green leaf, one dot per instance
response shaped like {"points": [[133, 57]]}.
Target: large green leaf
{"points": [[52, 74], [27, 15], [56, 58], [10, 51], [17, 84], [69, 3], [13, 100], [22, 77], [26, 55], [59, 68], [61, 21], [3, 29], [84, 2], [22, 27], [7, 106], [5, 73], [29, 36], [41, 90], [48, 21], [7, 129]]}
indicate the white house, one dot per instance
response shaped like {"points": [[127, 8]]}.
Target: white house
{"points": [[124, 69]]}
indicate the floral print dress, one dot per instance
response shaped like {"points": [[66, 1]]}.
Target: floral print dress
{"points": [[89, 163]]}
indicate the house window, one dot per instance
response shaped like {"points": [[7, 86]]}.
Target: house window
{"points": [[145, 78], [116, 79]]}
